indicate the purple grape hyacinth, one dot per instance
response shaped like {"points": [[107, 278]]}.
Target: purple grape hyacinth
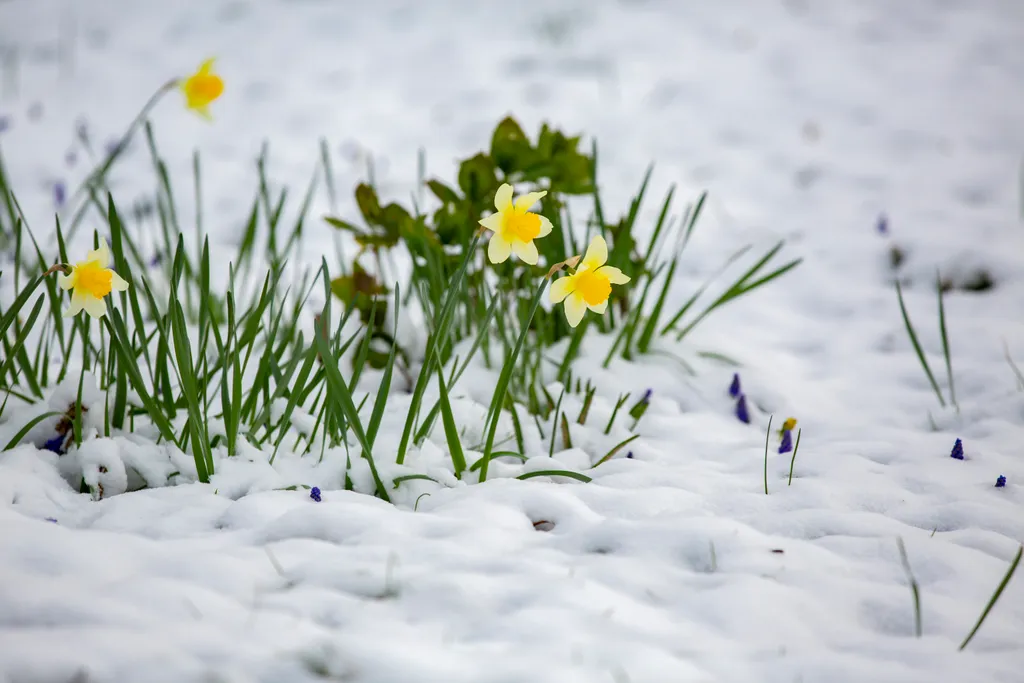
{"points": [[741, 410], [787, 441], [734, 388], [883, 224], [958, 450], [1000, 482], [56, 444], [314, 493]]}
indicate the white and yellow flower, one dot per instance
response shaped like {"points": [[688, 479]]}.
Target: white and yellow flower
{"points": [[89, 281], [514, 227], [202, 88], [590, 285]]}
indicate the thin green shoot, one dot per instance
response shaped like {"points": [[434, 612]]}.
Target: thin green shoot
{"points": [[792, 460], [945, 342], [915, 591], [554, 423], [995, 597], [618, 406], [615, 449], [917, 345], [556, 473], [566, 436], [767, 436]]}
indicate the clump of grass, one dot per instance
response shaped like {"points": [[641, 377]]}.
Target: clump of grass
{"points": [[207, 368]]}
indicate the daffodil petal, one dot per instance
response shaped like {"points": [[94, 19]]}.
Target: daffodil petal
{"points": [[100, 255], [493, 222], [498, 249], [527, 251], [207, 66], [503, 198], [94, 307], [66, 281], [77, 303], [560, 289], [545, 227], [529, 199], [600, 308], [614, 275], [597, 253], [118, 283], [575, 307]]}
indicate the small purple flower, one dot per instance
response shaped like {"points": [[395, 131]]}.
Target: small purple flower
{"points": [[1000, 482], [958, 450], [741, 409], [56, 444], [647, 396], [5, 122], [883, 224], [314, 493], [629, 455], [60, 193], [156, 260], [787, 441], [51, 519], [734, 388]]}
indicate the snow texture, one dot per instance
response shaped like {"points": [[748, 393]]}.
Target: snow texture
{"points": [[813, 122]]}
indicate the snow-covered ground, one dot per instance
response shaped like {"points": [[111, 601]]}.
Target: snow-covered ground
{"points": [[806, 121]]}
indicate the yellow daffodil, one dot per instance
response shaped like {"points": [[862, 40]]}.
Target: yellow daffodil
{"points": [[91, 280], [514, 227], [202, 88], [591, 284]]}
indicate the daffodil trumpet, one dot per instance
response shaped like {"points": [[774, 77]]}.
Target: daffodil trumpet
{"points": [[202, 88]]}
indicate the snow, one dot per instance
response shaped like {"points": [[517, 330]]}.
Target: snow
{"points": [[806, 121]]}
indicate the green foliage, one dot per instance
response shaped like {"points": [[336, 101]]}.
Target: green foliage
{"points": [[208, 368]]}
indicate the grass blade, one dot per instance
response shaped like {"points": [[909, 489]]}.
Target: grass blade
{"points": [[915, 591], [995, 597], [945, 342], [792, 460], [340, 399], [498, 398], [451, 431], [556, 473], [917, 346], [615, 449]]}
